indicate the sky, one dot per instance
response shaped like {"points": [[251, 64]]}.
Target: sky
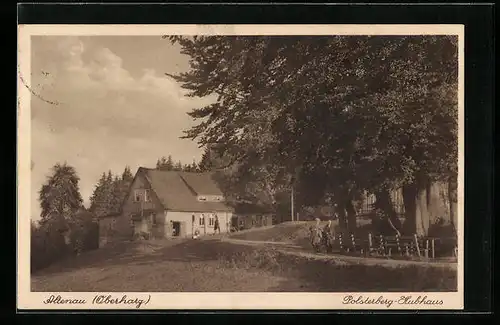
{"points": [[114, 107]]}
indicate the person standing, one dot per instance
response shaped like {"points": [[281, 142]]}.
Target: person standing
{"points": [[327, 229], [316, 235], [328, 237], [216, 225]]}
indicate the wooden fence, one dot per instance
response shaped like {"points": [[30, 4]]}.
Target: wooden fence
{"points": [[394, 246]]}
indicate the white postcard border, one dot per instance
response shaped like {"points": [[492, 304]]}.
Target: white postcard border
{"points": [[35, 300]]}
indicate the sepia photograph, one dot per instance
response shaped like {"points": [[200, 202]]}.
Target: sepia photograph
{"points": [[219, 159]]}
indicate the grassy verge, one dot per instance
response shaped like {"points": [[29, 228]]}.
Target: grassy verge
{"points": [[281, 232], [332, 276]]}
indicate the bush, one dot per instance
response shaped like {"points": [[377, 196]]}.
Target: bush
{"points": [[48, 244], [263, 259], [91, 239], [84, 232]]}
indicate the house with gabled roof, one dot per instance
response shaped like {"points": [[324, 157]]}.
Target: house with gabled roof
{"points": [[163, 204], [250, 215]]}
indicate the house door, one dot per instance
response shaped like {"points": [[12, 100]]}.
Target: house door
{"points": [[176, 225]]}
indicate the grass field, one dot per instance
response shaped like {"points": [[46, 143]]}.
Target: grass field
{"points": [[213, 265]]}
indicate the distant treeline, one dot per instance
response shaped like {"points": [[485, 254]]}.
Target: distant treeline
{"points": [[109, 192]]}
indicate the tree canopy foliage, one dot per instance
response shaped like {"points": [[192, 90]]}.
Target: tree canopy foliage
{"points": [[60, 196], [333, 115], [65, 226]]}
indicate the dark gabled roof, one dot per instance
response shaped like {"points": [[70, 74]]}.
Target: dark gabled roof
{"points": [[249, 208], [177, 191], [201, 183]]}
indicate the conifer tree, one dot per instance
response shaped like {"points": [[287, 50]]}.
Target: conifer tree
{"points": [[98, 200], [178, 166]]}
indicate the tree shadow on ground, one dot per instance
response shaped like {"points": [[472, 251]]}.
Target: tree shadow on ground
{"points": [[143, 253], [331, 276]]}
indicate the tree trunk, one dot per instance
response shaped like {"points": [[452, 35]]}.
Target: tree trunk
{"points": [[351, 217], [342, 218], [423, 218], [410, 203], [452, 199], [383, 201], [416, 209]]}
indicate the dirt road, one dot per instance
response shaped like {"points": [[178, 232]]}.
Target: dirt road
{"points": [[215, 265]]}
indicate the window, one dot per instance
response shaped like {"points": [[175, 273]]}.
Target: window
{"points": [[147, 196], [202, 220], [202, 198], [211, 221], [152, 218], [137, 195]]}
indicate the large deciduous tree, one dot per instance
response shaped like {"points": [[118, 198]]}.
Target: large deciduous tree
{"points": [[60, 200], [60, 196], [331, 115]]}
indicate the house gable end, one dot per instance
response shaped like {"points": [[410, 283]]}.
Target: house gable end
{"points": [[140, 176]]}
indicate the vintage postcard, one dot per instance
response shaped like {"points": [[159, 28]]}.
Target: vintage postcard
{"points": [[240, 167]]}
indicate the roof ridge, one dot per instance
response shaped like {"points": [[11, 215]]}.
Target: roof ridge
{"points": [[188, 185]]}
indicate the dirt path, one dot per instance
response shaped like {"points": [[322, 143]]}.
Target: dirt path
{"points": [[342, 259], [187, 265]]}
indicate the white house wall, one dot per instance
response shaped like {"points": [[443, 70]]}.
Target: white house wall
{"points": [[186, 217]]}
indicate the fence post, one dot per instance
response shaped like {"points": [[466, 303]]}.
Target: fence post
{"points": [[427, 248], [433, 246], [370, 241], [416, 243]]}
